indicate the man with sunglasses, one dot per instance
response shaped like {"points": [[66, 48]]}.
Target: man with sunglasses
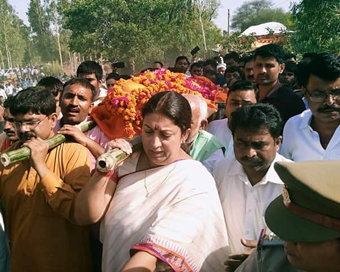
{"points": [[315, 133], [39, 193]]}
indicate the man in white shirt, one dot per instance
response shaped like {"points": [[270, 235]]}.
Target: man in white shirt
{"points": [[315, 133], [248, 182], [240, 94]]}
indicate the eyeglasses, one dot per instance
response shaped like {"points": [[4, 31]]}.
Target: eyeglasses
{"points": [[29, 124], [321, 96]]}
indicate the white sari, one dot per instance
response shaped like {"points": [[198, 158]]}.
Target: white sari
{"points": [[172, 212]]}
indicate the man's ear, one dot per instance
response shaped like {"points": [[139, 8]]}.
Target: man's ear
{"points": [[90, 108], [53, 120], [203, 124], [304, 91], [278, 143], [282, 67]]}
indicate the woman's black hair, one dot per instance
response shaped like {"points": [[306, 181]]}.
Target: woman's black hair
{"points": [[172, 105]]}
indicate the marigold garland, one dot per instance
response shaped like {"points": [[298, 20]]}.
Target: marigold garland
{"points": [[128, 104]]}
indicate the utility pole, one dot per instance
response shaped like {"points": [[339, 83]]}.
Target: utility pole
{"points": [[228, 22]]}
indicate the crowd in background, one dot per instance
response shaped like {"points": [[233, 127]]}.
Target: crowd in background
{"points": [[202, 190]]}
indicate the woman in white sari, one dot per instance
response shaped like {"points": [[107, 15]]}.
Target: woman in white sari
{"points": [[161, 209]]}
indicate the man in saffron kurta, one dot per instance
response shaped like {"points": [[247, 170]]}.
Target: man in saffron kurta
{"points": [[39, 193]]}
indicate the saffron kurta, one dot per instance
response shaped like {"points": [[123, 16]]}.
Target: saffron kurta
{"points": [[41, 224]]}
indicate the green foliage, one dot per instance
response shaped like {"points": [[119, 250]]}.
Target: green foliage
{"points": [[258, 12], [43, 40], [317, 25], [236, 43], [53, 69], [138, 31], [12, 36]]}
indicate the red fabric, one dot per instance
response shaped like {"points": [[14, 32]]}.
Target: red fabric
{"points": [[112, 126]]}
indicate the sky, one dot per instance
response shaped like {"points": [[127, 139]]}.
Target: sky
{"points": [[21, 7]]}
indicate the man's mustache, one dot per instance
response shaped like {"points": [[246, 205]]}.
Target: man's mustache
{"points": [[8, 130], [328, 108], [27, 135], [252, 159]]}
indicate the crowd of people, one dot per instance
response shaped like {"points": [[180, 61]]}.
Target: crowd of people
{"points": [[252, 187]]}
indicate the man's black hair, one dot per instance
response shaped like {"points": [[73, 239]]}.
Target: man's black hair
{"points": [[82, 82], [160, 63], [196, 64], [182, 58], [242, 85], [90, 67], [210, 62], [324, 66], [114, 76], [38, 100], [309, 55], [257, 116], [207, 72], [290, 55], [291, 67], [125, 76], [232, 55], [247, 58], [272, 50], [233, 69], [53, 84], [9, 102]]}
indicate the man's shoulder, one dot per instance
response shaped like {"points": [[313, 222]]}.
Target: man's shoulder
{"points": [[281, 158], [284, 92], [217, 124], [226, 166], [71, 147], [97, 135], [296, 121]]}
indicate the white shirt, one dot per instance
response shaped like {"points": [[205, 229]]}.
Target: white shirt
{"points": [[302, 143], [101, 96], [220, 129], [95, 134], [244, 205]]}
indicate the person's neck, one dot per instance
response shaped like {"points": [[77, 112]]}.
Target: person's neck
{"points": [[255, 176], [265, 89], [97, 95], [325, 130], [63, 122]]}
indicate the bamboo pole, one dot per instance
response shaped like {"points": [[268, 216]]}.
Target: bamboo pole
{"points": [[24, 153], [109, 160]]}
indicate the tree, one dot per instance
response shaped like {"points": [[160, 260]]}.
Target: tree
{"points": [[236, 43], [40, 19], [139, 31], [257, 12], [317, 26], [12, 40]]}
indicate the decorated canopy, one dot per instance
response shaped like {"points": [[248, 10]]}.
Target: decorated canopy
{"points": [[119, 114]]}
